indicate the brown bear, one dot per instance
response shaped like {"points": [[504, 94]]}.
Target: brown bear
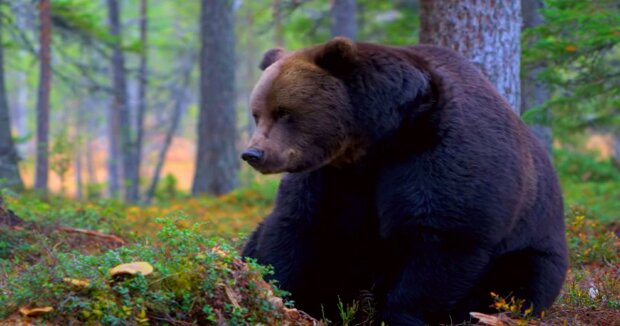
{"points": [[408, 176]]}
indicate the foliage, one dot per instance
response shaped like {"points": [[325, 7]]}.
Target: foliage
{"points": [[61, 156], [391, 22], [196, 279], [584, 167], [513, 307], [79, 19], [167, 188], [589, 240], [578, 46], [590, 182]]}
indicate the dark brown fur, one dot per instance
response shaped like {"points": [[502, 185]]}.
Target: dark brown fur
{"points": [[409, 177]]}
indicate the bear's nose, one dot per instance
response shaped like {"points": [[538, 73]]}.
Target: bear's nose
{"points": [[252, 155]]}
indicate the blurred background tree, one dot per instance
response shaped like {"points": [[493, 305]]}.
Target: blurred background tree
{"points": [[150, 88], [577, 48], [9, 173]]}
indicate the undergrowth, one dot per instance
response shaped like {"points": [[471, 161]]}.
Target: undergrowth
{"points": [[196, 279], [199, 277]]}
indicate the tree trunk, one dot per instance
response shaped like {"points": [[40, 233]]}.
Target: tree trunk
{"points": [[616, 149], [21, 109], [79, 191], [251, 69], [43, 101], [143, 82], [534, 93], [120, 111], [81, 143], [344, 18], [19, 114], [113, 154], [278, 36], [217, 159], [487, 32], [180, 98], [91, 134], [9, 171]]}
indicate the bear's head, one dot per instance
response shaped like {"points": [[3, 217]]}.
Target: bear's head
{"points": [[302, 109], [331, 104]]}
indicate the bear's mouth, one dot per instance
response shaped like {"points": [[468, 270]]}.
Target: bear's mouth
{"points": [[265, 167]]}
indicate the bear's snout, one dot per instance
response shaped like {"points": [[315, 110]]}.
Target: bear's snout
{"points": [[253, 156]]}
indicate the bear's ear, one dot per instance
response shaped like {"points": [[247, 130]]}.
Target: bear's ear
{"points": [[337, 56], [270, 57]]}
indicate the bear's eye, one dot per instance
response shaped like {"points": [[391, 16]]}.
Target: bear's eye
{"points": [[281, 114], [255, 116]]}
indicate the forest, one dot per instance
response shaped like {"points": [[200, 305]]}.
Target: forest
{"points": [[123, 198]]}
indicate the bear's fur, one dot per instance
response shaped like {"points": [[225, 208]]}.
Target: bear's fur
{"points": [[409, 177]]}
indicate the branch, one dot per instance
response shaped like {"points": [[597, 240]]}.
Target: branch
{"points": [[107, 237]]}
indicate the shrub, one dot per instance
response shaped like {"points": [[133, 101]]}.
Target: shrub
{"points": [[196, 279]]}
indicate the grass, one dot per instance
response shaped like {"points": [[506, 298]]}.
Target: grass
{"points": [[192, 244], [590, 181]]}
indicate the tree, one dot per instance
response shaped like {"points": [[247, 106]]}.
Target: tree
{"points": [[179, 98], [134, 190], [278, 34], [120, 127], [7, 216], [43, 100], [217, 159], [486, 32], [578, 43], [534, 93], [9, 172], [344, 18]]}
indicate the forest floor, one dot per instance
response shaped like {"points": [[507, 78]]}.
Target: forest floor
{"points": [[57, 260]]}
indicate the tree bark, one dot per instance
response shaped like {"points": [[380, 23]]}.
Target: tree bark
{"points": [[21, 110], [487, 32], [113, 154], [121, 126], [534, 93], [616, 148], [43, 100], [344, 18], [217, 160], [79, 123], [251, 69], [9, 171], [278, 36], [142, 85], [91, 135]]}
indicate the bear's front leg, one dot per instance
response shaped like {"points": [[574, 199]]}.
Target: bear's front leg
{"points": [[434, 279], [284, 240]]}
